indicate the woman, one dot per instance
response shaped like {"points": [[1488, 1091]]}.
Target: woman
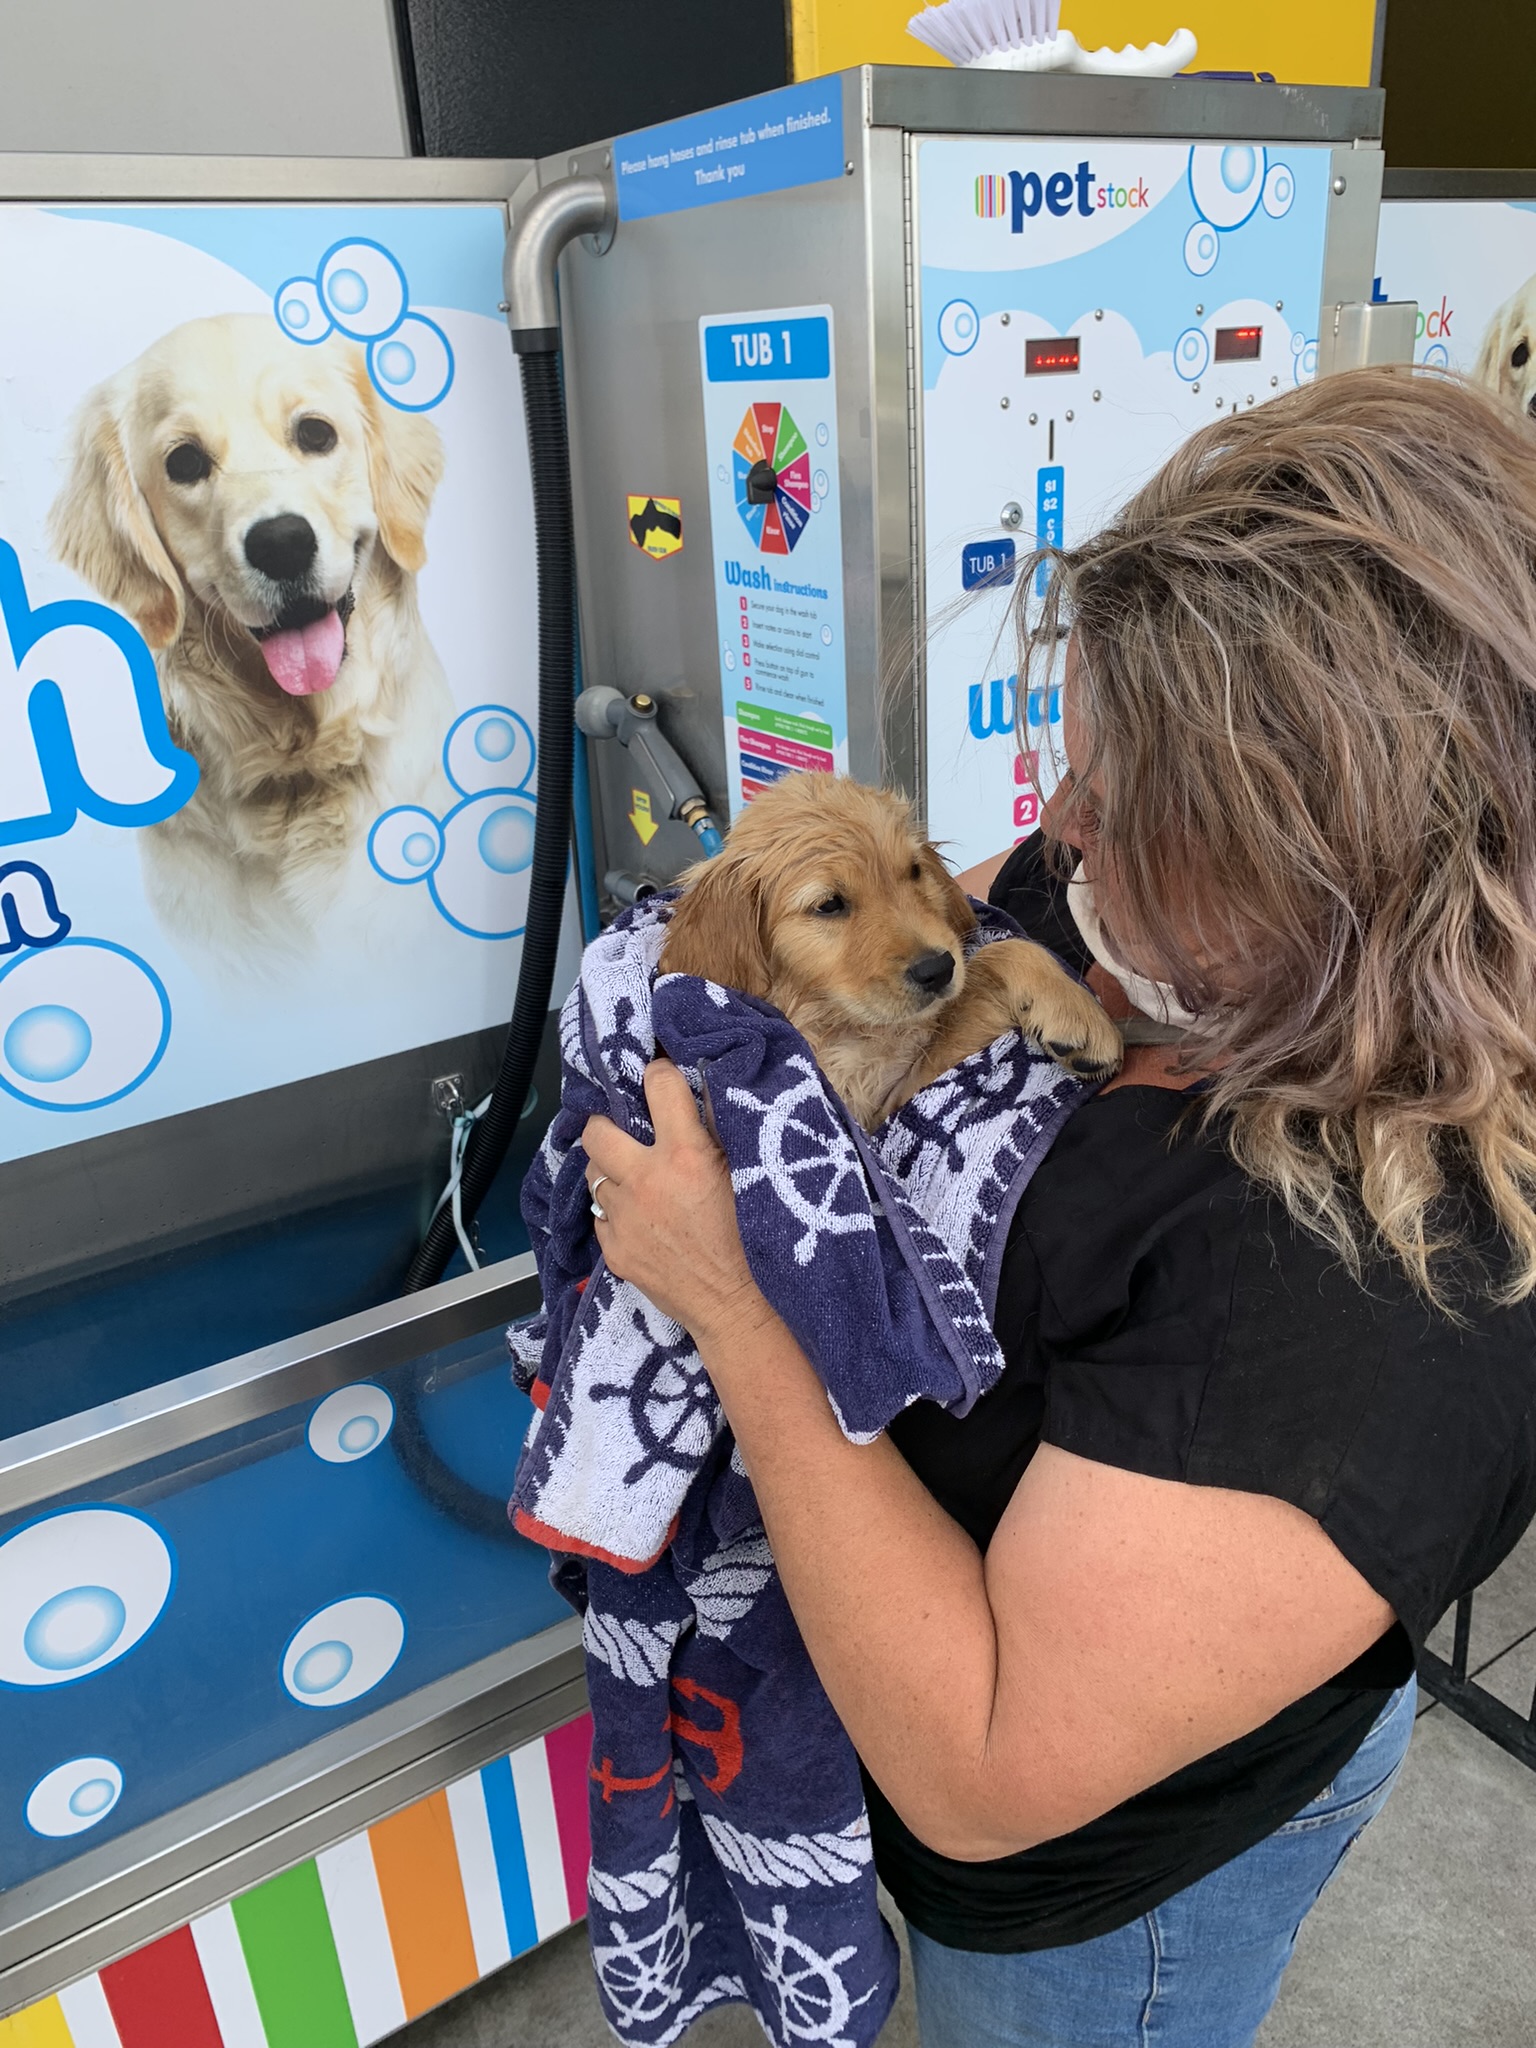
{"points": [[1127, 1653]]}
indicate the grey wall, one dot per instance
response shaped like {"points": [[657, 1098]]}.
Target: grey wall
{"points": [[210, 77]]}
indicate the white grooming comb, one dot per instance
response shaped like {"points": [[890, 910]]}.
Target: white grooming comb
{"points": [[1025, 35]]}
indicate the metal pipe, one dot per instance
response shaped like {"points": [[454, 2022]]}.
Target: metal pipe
{"points": [[561, 212]]}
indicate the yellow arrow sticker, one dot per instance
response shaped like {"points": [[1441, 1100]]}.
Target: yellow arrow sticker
{"points": [[646, 827]]}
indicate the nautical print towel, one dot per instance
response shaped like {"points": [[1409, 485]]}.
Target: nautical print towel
{"points": [[731, 1854]]}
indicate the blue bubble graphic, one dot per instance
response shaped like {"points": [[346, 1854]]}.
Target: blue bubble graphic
{"points": [[347, 290], [47, 1043], [322, 1668], [1238, 164], [92, 1798], [395, 363], [494, 739], [295, 314], [358, 1435], [418, 849], [75, 1627], [506, 839]]}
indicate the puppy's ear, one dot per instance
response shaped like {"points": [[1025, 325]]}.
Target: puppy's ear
{"points": [[1493, 357], [405, 467], [102, 528], [717, 928], [957, 907]]}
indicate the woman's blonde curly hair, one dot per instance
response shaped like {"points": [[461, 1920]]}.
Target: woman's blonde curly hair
{"points": [[1305, 673]]}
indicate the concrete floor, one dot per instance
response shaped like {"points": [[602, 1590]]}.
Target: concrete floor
{"points": [[1427, 1940]]}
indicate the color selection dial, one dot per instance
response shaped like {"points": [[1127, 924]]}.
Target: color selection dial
{"points": [[768, 434]]}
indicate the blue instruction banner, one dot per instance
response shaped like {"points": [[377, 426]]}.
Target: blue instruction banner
{"points": [[741, 353], [769, 144]]}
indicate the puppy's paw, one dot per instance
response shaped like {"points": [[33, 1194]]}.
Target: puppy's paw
{"points": [[1058, 1014]]}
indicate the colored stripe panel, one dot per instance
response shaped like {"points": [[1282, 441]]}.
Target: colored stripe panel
{"points": [[541, 1839], [90, 2017], [361, 1933], [158, 1996], [511, 1858], [418, 1871], [38, 2026], [477, 1869], [228, 1980], [291, 1956], [570, 1759], [343, 1950]]}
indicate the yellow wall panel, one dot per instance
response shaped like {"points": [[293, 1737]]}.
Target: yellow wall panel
{"points": [[1304, 42]]}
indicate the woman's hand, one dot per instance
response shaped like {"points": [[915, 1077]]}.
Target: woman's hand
{"points": [[669, 1221]]}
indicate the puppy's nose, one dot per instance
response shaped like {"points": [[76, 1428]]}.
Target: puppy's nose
{"points": [[932, 972], [282, 548]]}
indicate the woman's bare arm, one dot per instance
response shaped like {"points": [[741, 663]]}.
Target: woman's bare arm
{"points": [[977, 881], [1117, 1628]]}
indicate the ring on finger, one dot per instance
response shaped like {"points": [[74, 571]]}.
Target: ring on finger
{"points": [[597, 1208]]}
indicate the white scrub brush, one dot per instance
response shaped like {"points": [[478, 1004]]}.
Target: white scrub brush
{"points": [[1025, 35]]}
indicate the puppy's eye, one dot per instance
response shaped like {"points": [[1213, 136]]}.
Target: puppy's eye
{"points": [[188, 464], [915, 872], [315, 436], [830, 906], [1521, 355]]}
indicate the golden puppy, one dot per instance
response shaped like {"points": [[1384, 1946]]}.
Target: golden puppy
{"points": [[828, 904], [1505, 363], [259, 512]]}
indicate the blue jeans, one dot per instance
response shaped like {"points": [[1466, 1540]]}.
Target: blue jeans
{"points": [[1199, 1971]]}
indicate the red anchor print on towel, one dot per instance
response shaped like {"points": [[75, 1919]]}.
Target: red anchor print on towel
{"points": [[723, 1744]]}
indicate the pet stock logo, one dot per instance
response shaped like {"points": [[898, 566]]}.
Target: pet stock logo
{"points": [[1020, 196]]}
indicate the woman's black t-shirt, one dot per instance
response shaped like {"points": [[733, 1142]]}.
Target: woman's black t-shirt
{"points": [[1159, 1313]]}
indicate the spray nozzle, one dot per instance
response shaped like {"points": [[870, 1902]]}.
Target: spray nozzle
{"points": [[604, 713]]}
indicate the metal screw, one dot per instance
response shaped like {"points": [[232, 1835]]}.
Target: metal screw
{"points": [[1250, 398], [1012, 514], [1198, 311], [503, 306], [1339, 188], [1005, 405], [1006, 318], [448, 1094], [607, 161], [1098, 312], [848, 167], [1096, 398], [1069, 414], [1218, 405], [1194, 387], [1034, 419], [1279, 305]]}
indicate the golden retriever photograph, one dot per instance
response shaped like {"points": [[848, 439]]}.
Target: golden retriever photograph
{"points": [[1506, 362], [259, 512]]}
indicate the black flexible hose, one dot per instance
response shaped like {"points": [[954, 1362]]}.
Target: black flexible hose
{"points": [[549, 457]]}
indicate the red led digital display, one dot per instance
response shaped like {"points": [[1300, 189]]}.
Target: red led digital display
{"points": [[1239, 344], [1042, 358]]}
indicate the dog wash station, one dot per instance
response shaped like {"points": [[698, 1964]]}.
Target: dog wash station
{"points": [[834, 359]]}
